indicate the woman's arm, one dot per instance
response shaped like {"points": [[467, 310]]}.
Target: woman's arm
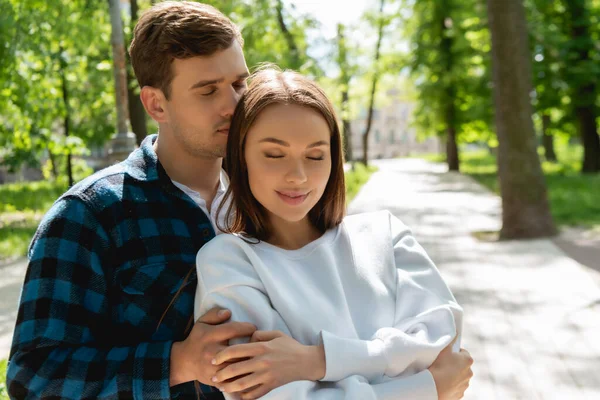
{"points": [[427, 317]]}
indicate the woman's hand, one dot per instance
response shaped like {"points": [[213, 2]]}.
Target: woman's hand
{"points": [[270, 360], [452, 373]]}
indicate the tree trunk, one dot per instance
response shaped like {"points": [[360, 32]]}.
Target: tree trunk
{"points": [[548, 140], [52, 163], [345, 76], [137, 114], [452, 150], [346, 127], [526, 212], [446, 52], [289, 38], [66, 121], [119, 70], [584, 96], [365, 137], [589, 138]]}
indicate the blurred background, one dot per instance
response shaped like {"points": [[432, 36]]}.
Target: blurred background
{"points": [[409, 78]]}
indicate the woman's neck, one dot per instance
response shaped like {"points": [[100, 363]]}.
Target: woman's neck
{"points": [[292, 235]]}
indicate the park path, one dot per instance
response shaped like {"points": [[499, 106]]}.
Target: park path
{"points": [[11, 281], [532, 314]]}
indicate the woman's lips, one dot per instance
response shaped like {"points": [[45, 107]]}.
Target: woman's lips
{"points": [[292, 198]]}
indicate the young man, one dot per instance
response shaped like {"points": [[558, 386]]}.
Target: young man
{"points": [[106, 307]]}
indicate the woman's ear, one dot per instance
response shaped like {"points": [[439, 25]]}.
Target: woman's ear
{"points": [[154, 102]]}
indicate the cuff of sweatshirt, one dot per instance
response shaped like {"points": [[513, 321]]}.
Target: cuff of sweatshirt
{"points": [[420, 386], [151, 371], [345, 357]]}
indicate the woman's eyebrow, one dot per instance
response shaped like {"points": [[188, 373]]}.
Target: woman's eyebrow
{"points": [[286, 144]]}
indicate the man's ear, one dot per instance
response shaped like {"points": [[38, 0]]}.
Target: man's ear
{"points": [[154, 102]]}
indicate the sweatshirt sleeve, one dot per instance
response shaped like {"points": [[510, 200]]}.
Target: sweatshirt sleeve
{"points": [[227, 278], [426, 320]]}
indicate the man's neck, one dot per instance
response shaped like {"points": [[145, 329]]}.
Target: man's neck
{"points": [[199, 174]]}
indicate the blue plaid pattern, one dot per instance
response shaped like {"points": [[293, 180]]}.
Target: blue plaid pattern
{"points": [[104, 265]]}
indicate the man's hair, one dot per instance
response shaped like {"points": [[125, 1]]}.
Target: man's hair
{"points": [[270, 87], [177, 30]]}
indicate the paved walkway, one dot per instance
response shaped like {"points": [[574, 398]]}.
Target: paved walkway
{"points": [[11, 280], [532, 314]]}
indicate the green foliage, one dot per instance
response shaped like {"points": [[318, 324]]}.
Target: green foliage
{"points": [[450, 62], [56, 44], [264, 39]]}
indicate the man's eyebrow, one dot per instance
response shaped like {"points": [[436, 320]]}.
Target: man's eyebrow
{"points": [[208, 82], [286, 144]]}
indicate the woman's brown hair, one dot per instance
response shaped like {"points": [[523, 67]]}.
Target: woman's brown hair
{"points": [[268, 87]]}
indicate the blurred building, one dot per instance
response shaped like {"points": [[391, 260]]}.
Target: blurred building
{"points": [[391, 134]]}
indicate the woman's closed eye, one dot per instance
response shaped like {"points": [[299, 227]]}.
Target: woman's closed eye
{"points": [[312, 158], [273, 155]]}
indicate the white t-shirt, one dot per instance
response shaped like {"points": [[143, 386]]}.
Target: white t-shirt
{"points": [[214, 207], [366, 289]]}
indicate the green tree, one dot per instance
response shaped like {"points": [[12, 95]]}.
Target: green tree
{"points": [[347, 70], [582, 72], [58, 97], [380, 22], [451, 66]]}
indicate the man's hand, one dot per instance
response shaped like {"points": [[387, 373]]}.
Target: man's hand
{"points": [[271, 360], [452, 373], [191, 358]]}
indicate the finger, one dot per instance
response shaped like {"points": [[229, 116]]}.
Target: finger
{"points": [[241, 384], [232, 330], [215, 316], [238, 351], [256, 393], [265, 336], [237, 370], [467, 356]]}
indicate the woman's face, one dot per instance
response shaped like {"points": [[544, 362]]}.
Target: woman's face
{"points": [[288, 156]]}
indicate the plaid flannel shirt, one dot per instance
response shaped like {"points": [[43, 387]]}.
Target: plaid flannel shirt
{"points": [[104, 265]]}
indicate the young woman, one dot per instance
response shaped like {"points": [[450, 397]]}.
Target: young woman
{"points": [[358, 292]]}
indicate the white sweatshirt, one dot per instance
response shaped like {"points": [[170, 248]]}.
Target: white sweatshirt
{"points": [[366, 289]]}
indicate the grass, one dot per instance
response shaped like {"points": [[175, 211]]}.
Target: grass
{"points": [[22, 206], [574, 198], [356, 178], [3, 393]]}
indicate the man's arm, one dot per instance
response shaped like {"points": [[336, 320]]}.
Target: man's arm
{"points": [[61, 345]]}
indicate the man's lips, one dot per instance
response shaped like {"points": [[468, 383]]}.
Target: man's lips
{"points": [[224, 130]]}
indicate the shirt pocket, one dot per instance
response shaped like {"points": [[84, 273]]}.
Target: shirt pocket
{"points": [[156, 300]]}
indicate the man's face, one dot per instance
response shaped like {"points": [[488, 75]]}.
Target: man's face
{"points": [[203, 96]]}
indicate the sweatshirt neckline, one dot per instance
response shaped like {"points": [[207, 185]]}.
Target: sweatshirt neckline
{"points": [[328, 237]]}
